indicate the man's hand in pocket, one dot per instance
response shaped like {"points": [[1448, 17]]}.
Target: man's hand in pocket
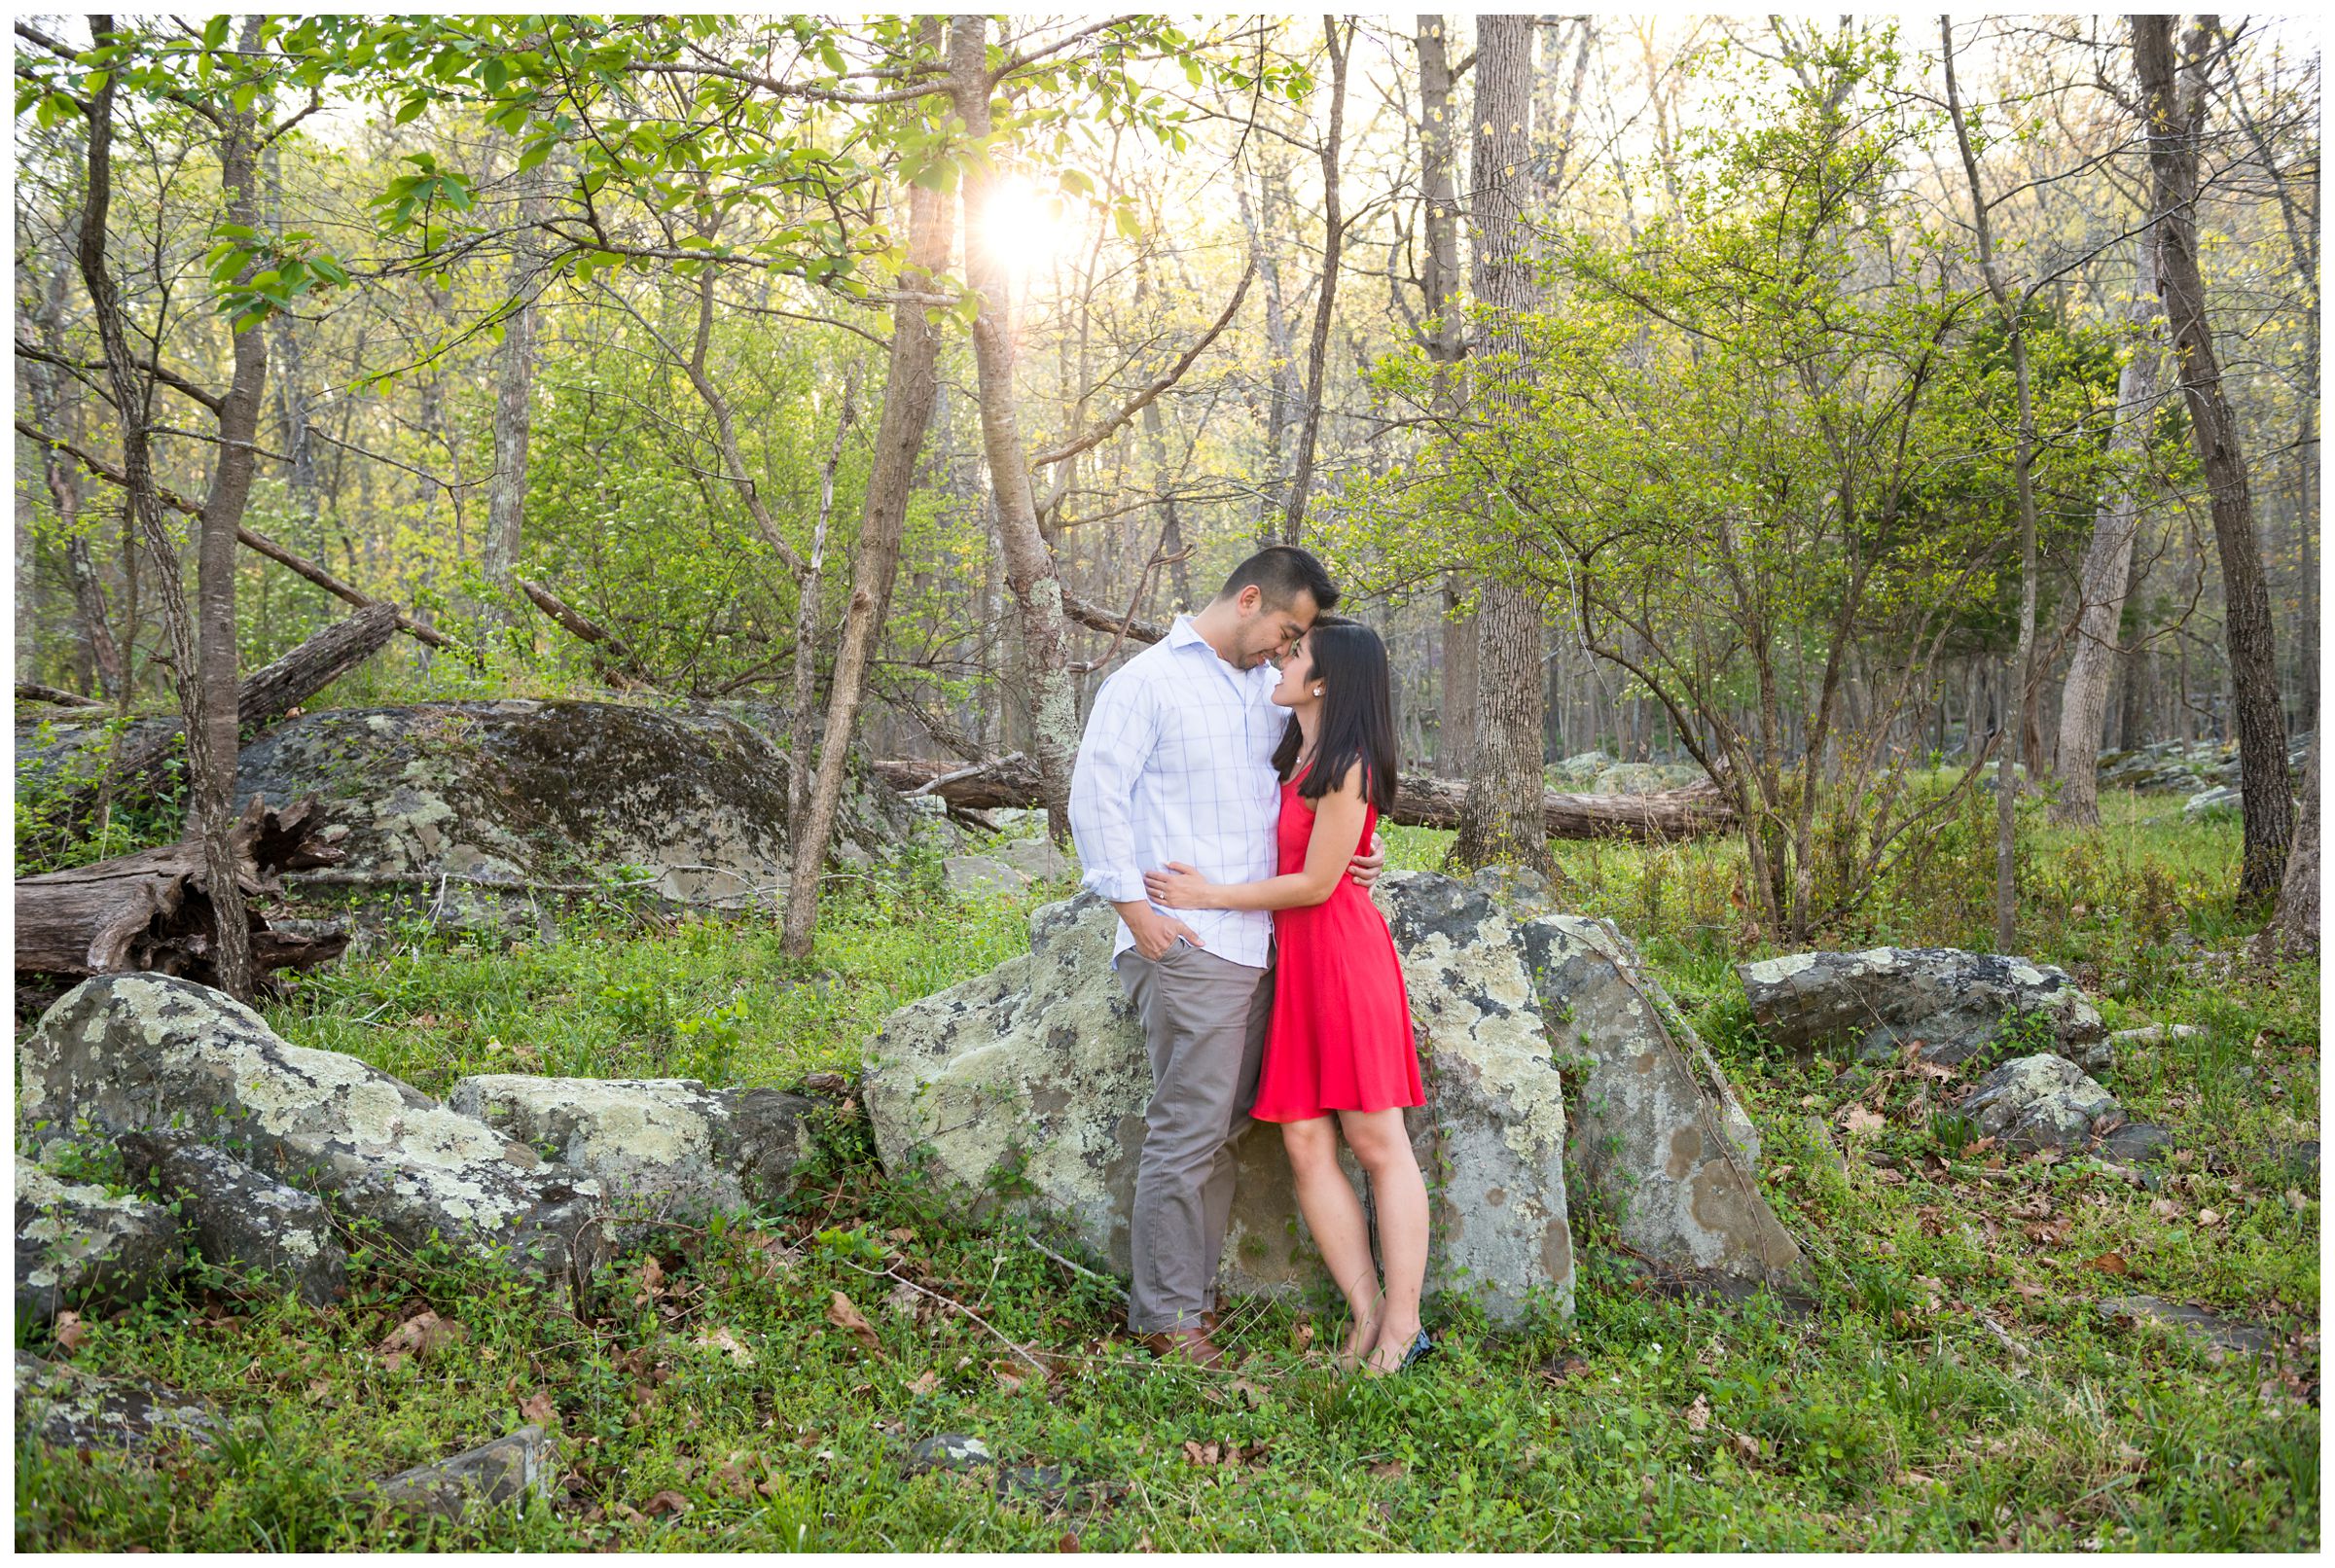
{"points": [[1155, 932]]}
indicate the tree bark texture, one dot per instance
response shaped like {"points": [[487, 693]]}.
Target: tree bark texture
{"points": [[2293, 930], [1325, 299], [195, 653], [1051, 692], [910, 387], [2175, 120], [1420, 801], [1502, 822], [156, 910], [1446, 344], [2104, 581], [513, 421]]}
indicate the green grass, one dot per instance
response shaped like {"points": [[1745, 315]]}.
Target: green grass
{"points": [[1889, 1417]]}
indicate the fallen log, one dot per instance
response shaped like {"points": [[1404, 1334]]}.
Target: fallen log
{"points": [[135, 762], [153, 911], [1421, 801], [35, 691]]}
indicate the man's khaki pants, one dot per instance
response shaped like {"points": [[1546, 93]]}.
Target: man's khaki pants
{"points": [[1203, 1019]]}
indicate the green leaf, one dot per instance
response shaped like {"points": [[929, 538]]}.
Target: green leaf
{"points": [[214, 31]]}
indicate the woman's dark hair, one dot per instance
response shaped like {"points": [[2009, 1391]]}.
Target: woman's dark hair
{"points": [[1357, 715]]}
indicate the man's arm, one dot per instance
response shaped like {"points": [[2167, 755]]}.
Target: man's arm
{"points": [[1121, 733]]}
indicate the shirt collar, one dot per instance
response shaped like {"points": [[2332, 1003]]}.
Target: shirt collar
{"points": [[1181, 635]]}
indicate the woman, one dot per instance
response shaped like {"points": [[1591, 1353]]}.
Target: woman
{"points": [[1339, 1054]]}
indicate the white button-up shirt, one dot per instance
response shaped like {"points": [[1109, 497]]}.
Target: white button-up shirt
{"points": [[1176, 764]]}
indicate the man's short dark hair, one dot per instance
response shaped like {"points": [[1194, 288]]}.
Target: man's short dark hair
{"points": [[1280, 572]]}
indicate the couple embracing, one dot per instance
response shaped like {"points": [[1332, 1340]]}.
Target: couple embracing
{"points": [[1225, 799]]}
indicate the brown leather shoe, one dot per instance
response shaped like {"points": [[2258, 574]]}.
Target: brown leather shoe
{"points": [[1191, 1345]]}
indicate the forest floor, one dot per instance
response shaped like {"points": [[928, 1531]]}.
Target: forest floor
{"points": [[1954, 1387]]}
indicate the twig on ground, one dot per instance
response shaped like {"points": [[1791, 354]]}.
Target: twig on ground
{"points": [[1104, 1280], [959, 1306]]}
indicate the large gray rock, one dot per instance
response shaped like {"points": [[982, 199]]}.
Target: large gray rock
{"points": [[1631, 779], [127, 1051], [2036, 1102], [1658, 1132], [520, 790], [502, 1474], [2209, 1328], [660, 1148], [980, 876], [1955, 1003], [67, 1407], [250, 1224], [78, 1246], [1026, 1088], [1038, 858]]}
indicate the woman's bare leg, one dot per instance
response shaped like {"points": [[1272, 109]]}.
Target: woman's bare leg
{"points": [[1333, 1214], [1400, 1194]]}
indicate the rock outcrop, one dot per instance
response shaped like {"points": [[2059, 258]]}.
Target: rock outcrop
{"points": [[502, 1474], [1954, 1004], [660, 1149], [78, 1246], [249, 1225], [69, 1409], [1659, 1134], [2038, 1102], [125, 1052], [1027, 1086], [517, 790]]}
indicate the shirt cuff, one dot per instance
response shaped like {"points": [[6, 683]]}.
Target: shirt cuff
{"points": [[1115, 887]]}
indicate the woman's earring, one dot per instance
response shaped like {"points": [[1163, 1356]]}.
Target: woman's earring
{"points": [[1318, 690]]}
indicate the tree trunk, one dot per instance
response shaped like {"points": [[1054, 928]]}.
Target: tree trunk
{"points": [[801, 722], [157, 910], [199, 657], [1325, 299], [2022, 679], [513, 422], [1446, 344], [2106, 571], [2293, 931], [2175, 121], [1502, 822], [910, 387], [1051, 695]]}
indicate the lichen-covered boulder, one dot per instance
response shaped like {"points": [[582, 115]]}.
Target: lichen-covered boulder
{"points": [[980, 876], [661, 1149], [1630, 778], [66, 1408], [502, 1474], [520, 790], [127, 1051], [1659, 1134], [1028, 1086], [250, 1224], [78, 1246], [1953, 1002], [2038, 1102]]}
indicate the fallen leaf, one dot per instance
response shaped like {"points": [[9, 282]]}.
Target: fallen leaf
{"points": [[1389, 1469], [724, 1341], [1143, 1543], [904, 1300], [1744, 1444], [1068, 1542], [70, 1332], [925, 1383], [1914, 1477], [1008, 1378], [419, 1336], [2166, 1209], [1698, 1415], [1859, 1122], [2051, 1232], [844, 1316], [1935, 1072], [2208, 1216], [2295, 1199], [1196, 1452], [667, 1503], [2030, 1290], [537, 1408], [2110, 1262], [1300, 1336]]}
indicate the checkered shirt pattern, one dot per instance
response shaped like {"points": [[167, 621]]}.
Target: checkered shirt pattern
{"points": [[1176, 764]]}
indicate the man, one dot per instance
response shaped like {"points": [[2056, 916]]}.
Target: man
{"points": [[1176, 764]]}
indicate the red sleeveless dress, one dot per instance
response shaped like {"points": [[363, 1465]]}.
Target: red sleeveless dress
{"points": [[1340, 1039]]}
